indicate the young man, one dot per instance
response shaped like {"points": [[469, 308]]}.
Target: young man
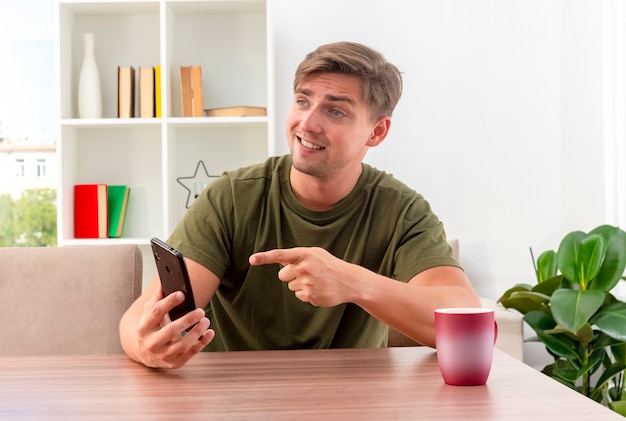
{"points": [[310, 250]]}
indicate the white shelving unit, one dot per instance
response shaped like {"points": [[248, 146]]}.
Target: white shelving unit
{"points": [[227, 38]]}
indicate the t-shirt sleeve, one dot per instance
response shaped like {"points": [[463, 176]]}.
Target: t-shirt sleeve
{"points": [[204, 234], [423, 244]]}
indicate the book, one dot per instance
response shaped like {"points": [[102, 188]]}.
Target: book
{"points": [[90, 211], [146, 92], [196, 91], [125, 91], [191, 91], [240, 111], [157, 92], [117, 205], [185, 91]]}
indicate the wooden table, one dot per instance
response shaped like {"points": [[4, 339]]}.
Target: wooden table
{"points": [[360, 384]]}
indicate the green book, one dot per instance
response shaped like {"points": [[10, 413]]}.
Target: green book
{"points": [[118, 203]]}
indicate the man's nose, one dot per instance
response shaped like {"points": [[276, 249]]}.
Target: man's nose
{"points": [[311, 121]]}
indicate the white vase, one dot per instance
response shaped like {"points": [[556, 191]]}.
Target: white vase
{"points": [[89, 94]]}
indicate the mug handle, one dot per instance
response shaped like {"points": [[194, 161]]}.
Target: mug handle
{"points": [[495, 336]]}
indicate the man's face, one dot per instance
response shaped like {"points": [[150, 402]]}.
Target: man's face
{"points": [[329, 128]]}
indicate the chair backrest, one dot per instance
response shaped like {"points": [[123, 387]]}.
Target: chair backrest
{"points": [[66, 300]]}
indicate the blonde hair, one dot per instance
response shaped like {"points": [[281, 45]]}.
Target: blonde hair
{"points": [[381, 81]]}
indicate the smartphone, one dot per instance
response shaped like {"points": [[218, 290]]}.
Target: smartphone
{"points": [[174, 276]]}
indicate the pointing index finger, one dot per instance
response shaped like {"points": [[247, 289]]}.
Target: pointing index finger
{"points": [[282, 256]]}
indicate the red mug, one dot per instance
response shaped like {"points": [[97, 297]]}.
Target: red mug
{"points": [[465, 339]]}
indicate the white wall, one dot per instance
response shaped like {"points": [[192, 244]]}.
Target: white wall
{"points": [[500, 123]]}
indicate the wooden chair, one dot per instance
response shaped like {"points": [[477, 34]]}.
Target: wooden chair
{"points": [[66, 300]]}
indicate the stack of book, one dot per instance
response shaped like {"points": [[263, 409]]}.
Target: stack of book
{"points": [[149, 94], [100, 210]]}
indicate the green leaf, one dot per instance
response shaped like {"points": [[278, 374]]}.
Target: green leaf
{"points": [[560, 344], [584, 335], [569, 375], [602, 341], [614, 260], [521, 303], [572, 309], [507, 294], [590, 367], [568, 255], [608, 374], [612, 320], [540, 320], [614, 393], [533, 296], [619, 407], [546, 265], [619, 352], [548, 286], [580, 257], [552, 370]]}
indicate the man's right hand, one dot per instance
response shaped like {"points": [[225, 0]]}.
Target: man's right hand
{"points": [[163, 343]]}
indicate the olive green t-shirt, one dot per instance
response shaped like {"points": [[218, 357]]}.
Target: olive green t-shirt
{"points": [[382, 225]]}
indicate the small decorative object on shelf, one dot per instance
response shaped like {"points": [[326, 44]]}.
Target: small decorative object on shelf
{"points": [[196, 183], [89, 94]]}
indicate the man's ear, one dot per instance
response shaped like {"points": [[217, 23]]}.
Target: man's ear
{"points": [[380, 131]]}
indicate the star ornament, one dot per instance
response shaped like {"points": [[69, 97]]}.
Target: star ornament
{"points": [[196, 183]]}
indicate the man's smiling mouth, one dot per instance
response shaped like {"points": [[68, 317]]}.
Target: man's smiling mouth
{"points": [[310, 145]]}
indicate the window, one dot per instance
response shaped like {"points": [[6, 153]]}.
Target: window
{"points": [[20, 170], [28, 123], [41, 167]]}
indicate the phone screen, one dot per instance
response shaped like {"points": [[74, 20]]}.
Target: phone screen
{"points": [[174, 276]]}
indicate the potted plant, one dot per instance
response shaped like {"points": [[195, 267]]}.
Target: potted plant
{"points": [[574, 314]]}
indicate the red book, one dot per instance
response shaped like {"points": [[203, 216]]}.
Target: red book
{"points": [[91, 211]]}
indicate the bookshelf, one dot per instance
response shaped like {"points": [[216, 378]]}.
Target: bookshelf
{"points": [[227, 38]]}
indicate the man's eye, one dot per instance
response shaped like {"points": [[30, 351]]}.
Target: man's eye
{"points": [[301, 102], [336, 113]]}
